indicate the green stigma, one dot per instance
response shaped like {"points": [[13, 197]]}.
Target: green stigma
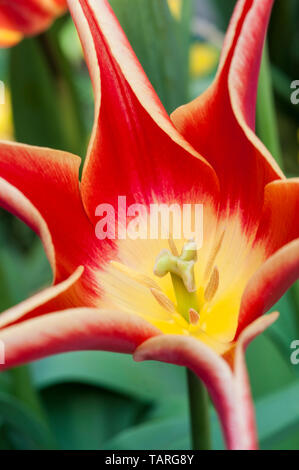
{"points": [[181, 269]]}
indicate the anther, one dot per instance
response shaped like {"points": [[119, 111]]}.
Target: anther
{"points": [[163, 300], [193, 316], [135, 276], [212, 286], [172, 246], [213, 256]]}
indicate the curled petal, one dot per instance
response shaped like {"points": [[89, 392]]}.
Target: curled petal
{"points": [[135, 150], [242, 386], [278, 233], [220, 123], [73, 330], [269, 283], [41, 187], [279, 220], [226, 380]]}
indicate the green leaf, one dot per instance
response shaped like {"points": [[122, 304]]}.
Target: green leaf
{"points": [[265, 378], [267, 128], [25, 392], [277, 417], [24, 274], [84, 417], [167, 427], [159, 434], [278, 413], [286, 328], [145, 381], [36, 111], [6, 382], [116, 371], [46, 109], [160, 43], [23, 425], [283, 36], [5, 299], [224, 11]]}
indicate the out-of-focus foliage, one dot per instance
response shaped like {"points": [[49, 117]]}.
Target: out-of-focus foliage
{"points": [[161, 42], [94, 400], [44, 97]]}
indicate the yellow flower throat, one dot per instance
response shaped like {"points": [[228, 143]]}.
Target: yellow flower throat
{"points": [[185, 311]]}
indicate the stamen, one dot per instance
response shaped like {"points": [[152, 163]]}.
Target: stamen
{"points": [[163, 300], [213, 255], [140, 278], [172, 246], [193, 316], [212, 286]]}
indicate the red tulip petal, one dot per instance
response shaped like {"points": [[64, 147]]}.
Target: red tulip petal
{"points": [[42, 189], [278, 233], [269, 283], [14, 201], [73, 330], [26, 17], [135, 150], [213, 371], [227, 386], [219, 123], [279, 222], [242, 386], [51, 299]]}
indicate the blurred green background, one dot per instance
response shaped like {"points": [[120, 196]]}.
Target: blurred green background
{"points": [[95, 400]]}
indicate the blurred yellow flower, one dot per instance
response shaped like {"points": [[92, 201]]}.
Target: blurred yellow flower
{"points": [[203, 59], [9, 37], [175, 7], [6, 123]]}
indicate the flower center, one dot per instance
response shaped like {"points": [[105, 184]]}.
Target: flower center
{"points": [[181, 269], [180, 292]]}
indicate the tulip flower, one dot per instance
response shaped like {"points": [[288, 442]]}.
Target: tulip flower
{"points": [[161, 300], [20, 18]]}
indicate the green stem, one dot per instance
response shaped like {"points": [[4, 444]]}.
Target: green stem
{"points": [[266, 121], [198, 396], [199, 413], [185, 300]]}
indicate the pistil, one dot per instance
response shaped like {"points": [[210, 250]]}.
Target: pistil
{"points": [[181, 269]]}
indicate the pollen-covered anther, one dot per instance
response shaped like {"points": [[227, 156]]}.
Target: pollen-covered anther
{"points": [[212, 286], [163, 300], [193, 317], [135, 276]]}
